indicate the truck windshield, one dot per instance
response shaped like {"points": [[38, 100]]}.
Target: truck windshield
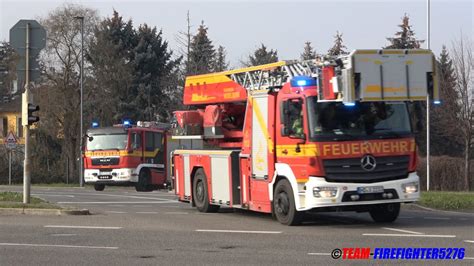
{"points": [[107, 142], [336, 121]]}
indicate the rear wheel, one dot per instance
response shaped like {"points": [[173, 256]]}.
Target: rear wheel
{"points": [[99, 187], [144, 179], [385, 213], [284, 204], [200, 193]]}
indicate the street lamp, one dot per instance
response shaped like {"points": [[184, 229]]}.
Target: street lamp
{"points": [[81, 160], [428, 103]]}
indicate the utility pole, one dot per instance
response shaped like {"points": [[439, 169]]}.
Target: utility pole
{"points": [[428, 104], [81, 142]]}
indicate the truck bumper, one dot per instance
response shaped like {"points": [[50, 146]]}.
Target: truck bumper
{"points": [[318, 193], [121, 175]]}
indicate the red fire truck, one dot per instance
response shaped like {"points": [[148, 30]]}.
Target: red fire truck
{"points": [[127, 155], [332, 134]]}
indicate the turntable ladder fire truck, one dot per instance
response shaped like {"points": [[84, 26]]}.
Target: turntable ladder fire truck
{"points": [[322, 135]]}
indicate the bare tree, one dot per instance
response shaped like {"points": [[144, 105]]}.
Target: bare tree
{"points": [[61, 57], [463, 59]]}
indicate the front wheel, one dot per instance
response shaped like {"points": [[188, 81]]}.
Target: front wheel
{"points": [[385, 213], [99, 187], [144, 180], [284, 204], [200, 193]]}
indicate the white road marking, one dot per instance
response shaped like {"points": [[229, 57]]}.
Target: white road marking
{"points": [[52, 195], [469, 258], [437, 218], [63, 234], [176, 213], [115, 212], [55, 246], [409, 235], [403, 231], [469, 241], [113, 202], [83, 227], [147, 212], [238, 231], [319, 254]]}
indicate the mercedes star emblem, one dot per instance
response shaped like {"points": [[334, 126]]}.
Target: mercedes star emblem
{"points": [[368, 163]]}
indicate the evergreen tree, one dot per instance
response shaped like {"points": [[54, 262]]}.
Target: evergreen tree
{"points": [[405, 38], [201, 54], [309, 52], [220, 61], [262, 56], [153, 74], [135, 72], [444, 118], [112, 59], [338, 48]]}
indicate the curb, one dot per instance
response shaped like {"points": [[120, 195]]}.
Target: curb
{"points": [[436, 210], [43, 211]]}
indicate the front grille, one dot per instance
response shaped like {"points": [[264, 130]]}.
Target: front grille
{"points": [[350, 170], [105, 161]]}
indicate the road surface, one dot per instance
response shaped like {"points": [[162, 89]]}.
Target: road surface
{"points": [[128, 227]]}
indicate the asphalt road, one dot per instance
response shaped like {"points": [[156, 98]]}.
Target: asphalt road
{"points": [[128, 228]]}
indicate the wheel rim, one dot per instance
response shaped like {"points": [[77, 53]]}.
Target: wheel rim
{"points": [[282, 203], [200, 191]]}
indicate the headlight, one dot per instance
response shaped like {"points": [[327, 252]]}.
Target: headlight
{"points": [[411, 187], [325, 192]]}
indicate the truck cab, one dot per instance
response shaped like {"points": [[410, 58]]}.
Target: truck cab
{"points": [[126, 155]]}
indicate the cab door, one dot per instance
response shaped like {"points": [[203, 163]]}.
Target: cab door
{"points": [[292, 147], [136, 147], [154, 156]]}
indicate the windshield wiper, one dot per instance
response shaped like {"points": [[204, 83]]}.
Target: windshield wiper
{"points": [[343, 136], [387, 134]]}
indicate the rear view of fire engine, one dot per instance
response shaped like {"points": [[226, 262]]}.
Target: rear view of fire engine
{"points": [[293, 136], [127, 155]]}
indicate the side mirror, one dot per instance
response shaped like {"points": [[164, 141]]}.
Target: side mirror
{"points": [[90, 138]]}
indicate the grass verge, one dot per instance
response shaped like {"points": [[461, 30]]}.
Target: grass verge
{"points": [[443, 200], [15, 200]]}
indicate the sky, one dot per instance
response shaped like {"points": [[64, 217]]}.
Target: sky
{"points": [[242, 26]]}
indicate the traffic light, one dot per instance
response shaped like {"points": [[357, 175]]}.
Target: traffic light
{"points": [[28, 109], [32, 118]]}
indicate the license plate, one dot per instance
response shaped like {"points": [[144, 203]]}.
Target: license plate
{"points": [[105, 177], [374, 189]]}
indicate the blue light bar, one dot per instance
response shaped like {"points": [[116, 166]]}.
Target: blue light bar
{"points": [[349, 104], [127, 123], [302, 81], [95, 124], [437, 102]]}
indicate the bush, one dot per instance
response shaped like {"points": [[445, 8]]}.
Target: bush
{"points": [[446, 173]]}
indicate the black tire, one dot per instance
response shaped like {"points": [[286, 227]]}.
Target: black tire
{"points": [[200, 193], [99, 187], [144, 179], [385, 213], [284, 208]]}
